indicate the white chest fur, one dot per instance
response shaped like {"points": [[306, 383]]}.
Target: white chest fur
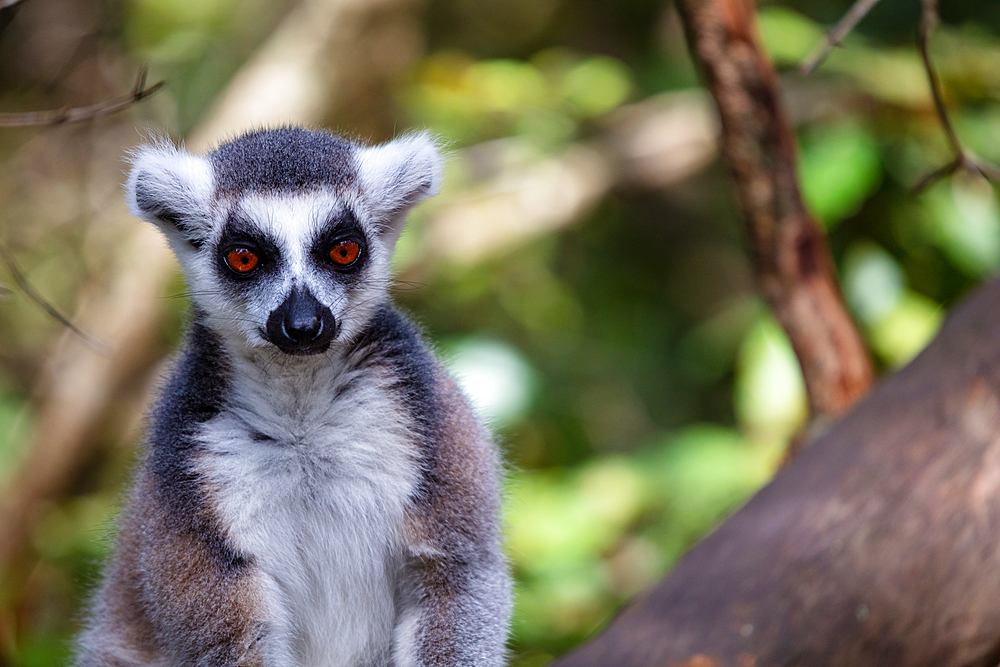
{"points": [[312, 479]]}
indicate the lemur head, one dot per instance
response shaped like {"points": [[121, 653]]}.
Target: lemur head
{"points": [[285, 235]]}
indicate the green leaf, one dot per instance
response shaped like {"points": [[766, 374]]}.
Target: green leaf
{"points": [[963, 219], [787, 35], [838, 169]]}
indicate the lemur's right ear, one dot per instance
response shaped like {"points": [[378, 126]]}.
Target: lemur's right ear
{"points": [[173, 190]]}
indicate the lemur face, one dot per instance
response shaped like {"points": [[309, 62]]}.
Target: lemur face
{"points": [[285, 235], [300, 269]]}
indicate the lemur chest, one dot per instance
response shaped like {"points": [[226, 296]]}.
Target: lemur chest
{"points": [[315, 491]]}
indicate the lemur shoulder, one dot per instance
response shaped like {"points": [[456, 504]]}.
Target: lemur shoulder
{"points": [[315, 490]]}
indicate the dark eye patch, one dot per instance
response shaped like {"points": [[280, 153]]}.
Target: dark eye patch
{"points": [[343, 226], [238, 232]]}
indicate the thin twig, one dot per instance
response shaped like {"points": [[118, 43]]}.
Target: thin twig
{"points": [[936, 175], [928, 21], [21, 280], [77, 114], [964, 160], [837, 34]]}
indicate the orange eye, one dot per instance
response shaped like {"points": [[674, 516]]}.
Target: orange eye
{"points": [[242, 260], [345, 252]]}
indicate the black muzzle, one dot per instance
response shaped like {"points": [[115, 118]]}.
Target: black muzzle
{"points": [[301, 325]]}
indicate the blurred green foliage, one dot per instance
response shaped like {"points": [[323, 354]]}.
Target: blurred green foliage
{"points": [[545, 97], [838, 170], [639, 388]]}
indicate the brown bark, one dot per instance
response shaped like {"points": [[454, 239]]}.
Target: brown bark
{"points": [[878, 545], [791, 260]]}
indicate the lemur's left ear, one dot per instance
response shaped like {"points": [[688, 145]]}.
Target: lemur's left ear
{"points": [[173, 190], [398, 175]]}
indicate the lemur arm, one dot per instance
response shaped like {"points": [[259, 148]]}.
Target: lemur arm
{"points": [[207, 604], [173, 598], [454, 613], [454, 598]]}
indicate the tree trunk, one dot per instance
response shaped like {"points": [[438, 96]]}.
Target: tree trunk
{"points": [[878, 545]]}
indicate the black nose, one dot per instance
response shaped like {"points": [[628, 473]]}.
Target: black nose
{"points": [[301, 325]]}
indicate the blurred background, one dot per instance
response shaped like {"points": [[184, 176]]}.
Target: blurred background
{"points": [[583, 271]]}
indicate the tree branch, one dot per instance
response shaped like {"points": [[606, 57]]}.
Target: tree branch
{"points": [[21, 280], [964, 160], [837, 34], [77, 114], [791, 260]]}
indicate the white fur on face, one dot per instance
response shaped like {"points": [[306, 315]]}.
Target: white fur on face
{"points": [[292, 223]]}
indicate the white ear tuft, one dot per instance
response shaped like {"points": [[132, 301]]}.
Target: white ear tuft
{"points": [[173, 190], [398, 175]]}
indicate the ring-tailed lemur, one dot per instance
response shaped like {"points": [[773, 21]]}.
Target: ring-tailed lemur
{"points": [[316, 490]]}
